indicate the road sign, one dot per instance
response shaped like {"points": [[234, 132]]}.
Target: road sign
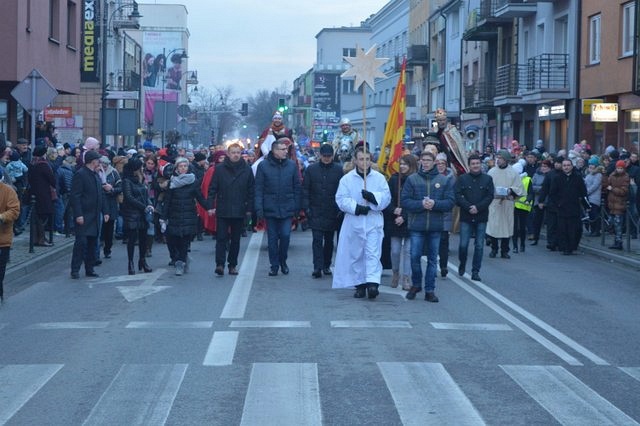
{"points": [[183, 127], [34, 92], [184, 110]]}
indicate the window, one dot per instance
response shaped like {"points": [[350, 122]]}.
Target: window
{"points": [[71, 24], [628, 14], [54, 20], [347, 87], [349, 52], [594, 39]]}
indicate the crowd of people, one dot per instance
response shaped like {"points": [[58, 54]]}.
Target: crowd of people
{"points": [[173, 196]]}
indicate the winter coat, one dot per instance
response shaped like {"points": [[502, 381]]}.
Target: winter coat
{"points": [[593, 182], [617, 196], [543, 195], [536, 184], [390, 227], [232, 189], [179, 208], [474, 190], [278, 188], [319, 188], [87, 200], [567, 192], [42, 181], [112, 177], [9, 212], [64, 177], [427, 184], [134, 202]]}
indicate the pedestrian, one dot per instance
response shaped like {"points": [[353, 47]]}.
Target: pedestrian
{"points": [[593, 182], [278, 200], [521, 210], [136, 206], [87, 201], [396, 224], [9, 213], [567, 191], [360, 243], [443, 250], [179, 213], [231, 191], [112, 187], [549, 206], [426, 196], [474, 193], [319, 188], [508, 186], [42, 185], [538, 211], [617, 185]]}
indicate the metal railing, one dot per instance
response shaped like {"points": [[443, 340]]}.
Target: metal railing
{"points": [[548, 71], [479, 94]]}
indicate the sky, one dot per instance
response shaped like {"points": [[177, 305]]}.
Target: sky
{"points": [[254, 45]]}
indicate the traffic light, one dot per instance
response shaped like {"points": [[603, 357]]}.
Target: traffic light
{"points": [[245, 109], [282, 107], [325, 135]]}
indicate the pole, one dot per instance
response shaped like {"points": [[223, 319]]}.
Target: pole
{"points": [[105, 23], [34, 111], [364, 128], [164, 105]]}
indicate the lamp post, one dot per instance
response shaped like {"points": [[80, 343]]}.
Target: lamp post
{"points": [[106, 34], [183, 55]]}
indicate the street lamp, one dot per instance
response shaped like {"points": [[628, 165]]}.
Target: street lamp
{"points": [[183, 55], [133, 23]]}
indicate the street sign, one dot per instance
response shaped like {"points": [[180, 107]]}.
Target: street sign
{"points": [[34, 92], [122, 94], [184, 111], [183, 127]]}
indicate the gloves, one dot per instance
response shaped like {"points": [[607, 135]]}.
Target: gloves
{"points": [[368, 196], [362, 210]]}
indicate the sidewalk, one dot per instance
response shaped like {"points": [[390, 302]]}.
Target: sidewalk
{"points": [[22, 262], [629, 255]]}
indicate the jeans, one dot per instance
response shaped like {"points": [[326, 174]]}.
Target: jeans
{"points": [[466, 230], [401, 255], [58, 216], [421, 240], [278, 234], [229, 230], [322, 247]]}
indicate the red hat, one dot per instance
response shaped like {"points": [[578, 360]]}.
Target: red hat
{"points": [[621, 163]]}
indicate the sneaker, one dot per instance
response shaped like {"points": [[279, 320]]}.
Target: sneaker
{"points": [[179, 267], [327, 271], [430, 296], [273, 272], [505, 256], [444, 272], [233, 270], [475, 277]]}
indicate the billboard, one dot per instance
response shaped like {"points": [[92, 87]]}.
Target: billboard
{"points": [[89, 70], [326, 94]]}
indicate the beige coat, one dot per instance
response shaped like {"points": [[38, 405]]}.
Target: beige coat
{"points": [[9, 212], [500, 224]]}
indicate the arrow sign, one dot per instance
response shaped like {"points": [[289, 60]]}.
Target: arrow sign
{"points": [[146, 288]]}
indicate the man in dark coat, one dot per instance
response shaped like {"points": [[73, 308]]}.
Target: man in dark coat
{"points": [[231, 191], [567, 191], [88, 207], [319, 188], [277, 199], [548, 204]]}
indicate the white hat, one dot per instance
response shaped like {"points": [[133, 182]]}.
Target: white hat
{"points": [[277, 116], [132, 151]]}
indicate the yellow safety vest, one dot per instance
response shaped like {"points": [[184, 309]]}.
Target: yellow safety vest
{"points": [[522, 203]]}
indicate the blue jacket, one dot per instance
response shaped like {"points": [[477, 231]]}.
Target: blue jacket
{"points": [[278, 188], [427, 184]]}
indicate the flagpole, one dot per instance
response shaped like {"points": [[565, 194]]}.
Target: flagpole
{"points": [[364, 128]]}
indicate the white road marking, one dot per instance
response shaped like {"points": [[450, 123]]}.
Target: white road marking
{"points": [[221, 348], [370, 324], [565, 397], [632, 371], [270, 324], [19, 383], [543, 325], [69, 325], [139, 395], [237, 301], [146, 287], [282, 394], [519, 324], [473, 326], [395, 291], [170, 324], [425, 394]]}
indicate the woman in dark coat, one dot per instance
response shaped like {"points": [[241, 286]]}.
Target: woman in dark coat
{"points": [[42, 181], [135, 205], [112, 187], [179, 212]]}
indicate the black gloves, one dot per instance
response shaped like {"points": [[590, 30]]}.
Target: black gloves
{"points": [[360, 209], [368, 196]]}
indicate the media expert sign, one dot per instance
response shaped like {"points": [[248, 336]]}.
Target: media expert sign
{"points": [[604, 112], [89, 61]]}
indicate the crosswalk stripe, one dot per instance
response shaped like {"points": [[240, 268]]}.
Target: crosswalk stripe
{"points": [[270, 324], [18, 383], [139, 394], [78, 325], [370, 324], [237, 301], [170, 324], [282, 394], [565, 397], [632, 371], [473, 326], [425, 394], [221, 348]]}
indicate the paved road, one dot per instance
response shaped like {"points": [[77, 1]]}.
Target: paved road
{"points": [[544, 339]]}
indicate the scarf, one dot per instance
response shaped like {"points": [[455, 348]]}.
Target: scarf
{"points": [[178, 181]]}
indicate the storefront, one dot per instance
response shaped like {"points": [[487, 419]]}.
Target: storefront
{"points": [[553, 125]]}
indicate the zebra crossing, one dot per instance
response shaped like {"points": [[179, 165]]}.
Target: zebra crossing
{"points": [[292, 394]]}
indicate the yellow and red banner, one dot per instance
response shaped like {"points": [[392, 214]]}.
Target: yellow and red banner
{"points": [[392, 143]]}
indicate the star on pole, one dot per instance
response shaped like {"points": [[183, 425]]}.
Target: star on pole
{"points": [[364, 67]]}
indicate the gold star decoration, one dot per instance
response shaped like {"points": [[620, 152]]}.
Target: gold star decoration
{"points": [[364, 67]]}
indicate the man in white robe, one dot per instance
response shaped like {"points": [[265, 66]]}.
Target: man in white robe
{"points": [[360, 243], [508, 187]]}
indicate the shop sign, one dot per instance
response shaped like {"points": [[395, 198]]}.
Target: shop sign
{"points": [[604, 112]]}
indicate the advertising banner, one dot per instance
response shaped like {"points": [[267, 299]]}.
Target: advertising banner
{"points": [[89, 71]]}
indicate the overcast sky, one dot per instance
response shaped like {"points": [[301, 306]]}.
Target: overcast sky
{"points": [[253, 45]]}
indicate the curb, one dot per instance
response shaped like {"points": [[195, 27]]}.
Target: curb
{"points": [[23, 269], [612, 257]]}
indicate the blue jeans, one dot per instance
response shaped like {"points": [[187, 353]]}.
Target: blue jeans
{"points": [[418, 240], [278, 234], [466, 229]]}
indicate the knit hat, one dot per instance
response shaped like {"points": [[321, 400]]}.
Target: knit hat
{"points": [[199, 157], [40, 151], [326, 149], [621, 163], [593, 161], [14, 156], [505, 154], [89, 156]]}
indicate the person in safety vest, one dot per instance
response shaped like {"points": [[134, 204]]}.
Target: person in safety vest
{"points": [[522, 209]]}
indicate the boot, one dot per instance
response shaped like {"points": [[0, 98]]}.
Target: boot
{"points": [[143, 266], [132, 270], [395, 279], [149, 244], [406, 283], [372, 290], [179, 267]]}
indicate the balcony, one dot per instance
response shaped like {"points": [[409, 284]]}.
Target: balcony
{"points": [[483, 23], [510, 80], [516, 8], [417, 55], [478, 97], [127, 80], [547, 77]]}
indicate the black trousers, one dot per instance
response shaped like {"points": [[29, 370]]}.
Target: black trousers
{"points": [[84, 250], [178, 246], [520, 218], [228, 233], [504, 245], [322, 247], [551, 218], [443, 251], [107, 233], [569, 233], [4, 258], [538, 218], [134, 236]]}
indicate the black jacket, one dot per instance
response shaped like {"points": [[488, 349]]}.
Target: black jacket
{"points": [[390, 227], [278, 188], [567, 192], [135, 201], [232, 188], [543, 195], [179, 209], [319, 188], [474, 190], [87, 200]]}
